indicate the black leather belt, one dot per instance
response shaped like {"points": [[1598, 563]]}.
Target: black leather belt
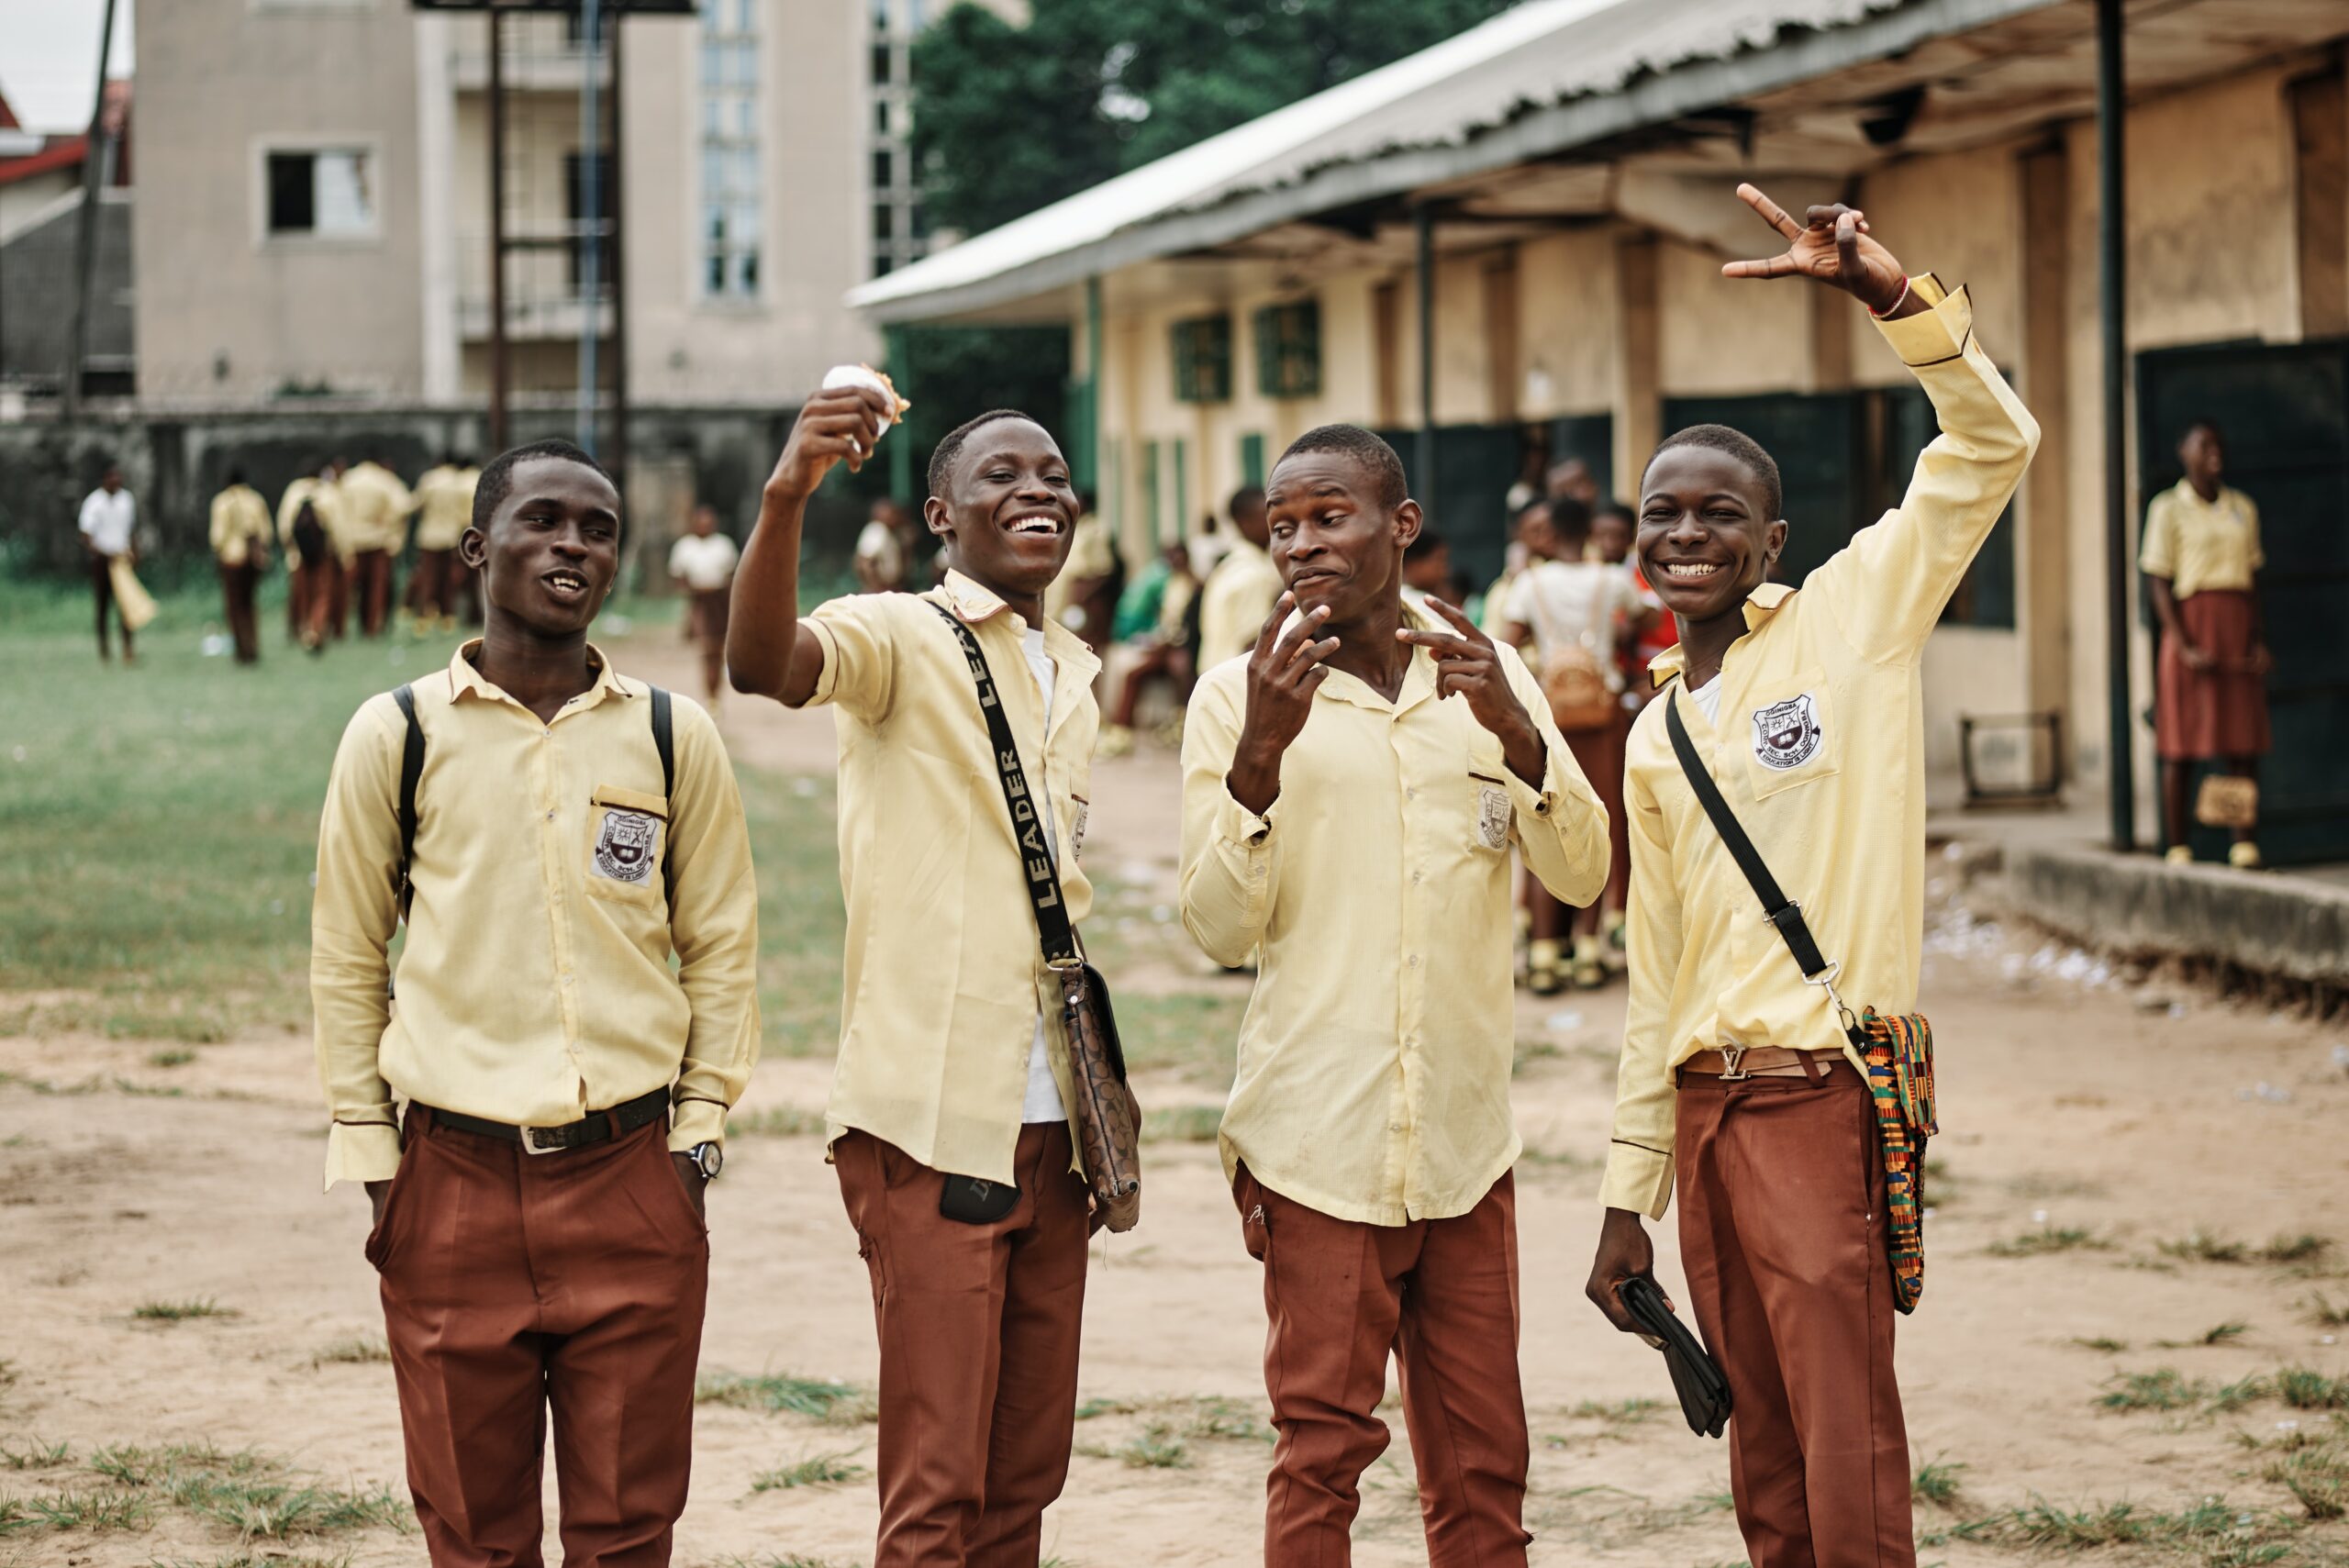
{"points": [[601, 1127]]}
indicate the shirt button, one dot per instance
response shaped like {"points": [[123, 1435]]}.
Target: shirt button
{"points": [[1415, 961], [1415, 879], [550, 815], [1412, 794]]}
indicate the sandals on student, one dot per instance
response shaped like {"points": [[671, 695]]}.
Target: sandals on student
{"points": [[1545, 970], [1590, 968]]}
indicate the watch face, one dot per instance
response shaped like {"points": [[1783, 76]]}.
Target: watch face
{"points": [[711, 1159]]}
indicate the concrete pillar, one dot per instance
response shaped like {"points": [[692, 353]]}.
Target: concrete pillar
{"points": [[2043, 557], [2321, 173], [436, 157], [1637, 403]]}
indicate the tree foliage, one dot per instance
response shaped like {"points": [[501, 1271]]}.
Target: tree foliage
{"points": [[1010, 119]]}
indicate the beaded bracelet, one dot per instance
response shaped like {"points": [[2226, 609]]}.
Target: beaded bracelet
{"points": [[1898, 301]]}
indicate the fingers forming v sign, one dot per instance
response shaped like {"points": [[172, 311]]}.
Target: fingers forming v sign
{"points": [[1832, 246], [1467, 664], [1284, 672]]}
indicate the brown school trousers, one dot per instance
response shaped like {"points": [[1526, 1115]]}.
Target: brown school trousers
{"points": [[979, 1327], [372, 587], [515, 1284], [102, 585], [1782, 1237], [1441, 1296], [236, 593]]}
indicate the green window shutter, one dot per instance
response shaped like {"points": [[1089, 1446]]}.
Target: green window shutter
{"points": [[1251, 458], [1150, 489], [1182, 489], [1202, 353], [1288, 349]]}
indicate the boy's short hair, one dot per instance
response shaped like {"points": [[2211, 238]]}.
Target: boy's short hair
{"points": [[497, 479], [1246, 499], [1738, 445], [941, 460], [1390, 489]]}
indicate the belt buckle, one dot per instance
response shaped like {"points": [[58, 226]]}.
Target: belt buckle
{"points": [[1730, 1056], [531, 1144]]}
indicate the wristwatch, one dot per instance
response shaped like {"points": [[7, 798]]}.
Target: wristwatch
{"points": [[709, 1158]]}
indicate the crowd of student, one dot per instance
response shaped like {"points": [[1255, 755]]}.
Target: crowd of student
{"points": [[538, 1116]]}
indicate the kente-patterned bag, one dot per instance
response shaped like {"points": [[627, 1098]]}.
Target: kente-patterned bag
{"points": [[1899, 1054]]}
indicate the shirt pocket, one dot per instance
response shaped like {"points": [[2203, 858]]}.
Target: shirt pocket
{"points": [[628, 840], [1788, 734], [1492, 816]]}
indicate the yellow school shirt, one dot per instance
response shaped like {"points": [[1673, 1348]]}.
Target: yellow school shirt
{"points": [[239, 517], [1375, 1058], [1820, 752], [375, 506], [444, 500], [535, 985], [945, 978], [325, 497], [2201, 545], [1238, 596]]}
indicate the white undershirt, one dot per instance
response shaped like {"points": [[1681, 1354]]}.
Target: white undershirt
{"points": [[1044, 1100], [1709, 700]]}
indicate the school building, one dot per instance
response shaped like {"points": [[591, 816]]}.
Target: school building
{"points": [[1509, 244]]}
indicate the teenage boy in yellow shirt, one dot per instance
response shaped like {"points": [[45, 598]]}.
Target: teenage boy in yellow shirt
{"points": [[1350, 822], [539, 1213], [1737, 1081], [953, 1079]]}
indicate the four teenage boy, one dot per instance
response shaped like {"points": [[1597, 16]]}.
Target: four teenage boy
{"points": [[1346, 824]]}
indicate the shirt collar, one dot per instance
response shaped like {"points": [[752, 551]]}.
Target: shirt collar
{"points": [[465, 679], [1418, 677], [976, 603], [1760, 605]]}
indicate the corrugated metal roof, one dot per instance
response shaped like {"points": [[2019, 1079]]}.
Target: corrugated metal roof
{"points": [[1537, 55]]}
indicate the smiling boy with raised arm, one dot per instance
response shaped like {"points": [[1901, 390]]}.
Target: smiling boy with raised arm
{"points": [[1805, 708], [951, 1061], [1352, 792]]}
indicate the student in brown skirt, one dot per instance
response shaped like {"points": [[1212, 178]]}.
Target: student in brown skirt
{"points": [[2201, 559], [539, 1210]]}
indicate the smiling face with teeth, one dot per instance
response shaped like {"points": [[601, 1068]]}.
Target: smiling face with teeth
{"points": [[1009, 512], [1707, 532], [551, 550]]}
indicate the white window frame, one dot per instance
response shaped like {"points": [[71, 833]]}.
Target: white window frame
{"points": [[704, 296], [266, 237]]}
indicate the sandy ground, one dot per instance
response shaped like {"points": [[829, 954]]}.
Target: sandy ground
{"points": [[2138, 1116]]}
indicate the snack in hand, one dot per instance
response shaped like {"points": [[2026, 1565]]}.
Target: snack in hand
{"points": [[865, 375]]}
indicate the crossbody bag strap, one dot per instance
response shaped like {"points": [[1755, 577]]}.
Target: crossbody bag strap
{"points": [[1777, 908], [1053, 928], [411, 774]]}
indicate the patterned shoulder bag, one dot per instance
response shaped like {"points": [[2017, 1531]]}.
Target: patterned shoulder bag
{"points": [[1899, 1051]]}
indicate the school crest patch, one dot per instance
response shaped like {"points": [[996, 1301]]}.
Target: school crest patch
{"points": [[1787, 734], [1493, 815], [624, 846]]}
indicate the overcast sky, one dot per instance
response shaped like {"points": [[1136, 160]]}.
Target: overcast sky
{"points": [[48, 56]]}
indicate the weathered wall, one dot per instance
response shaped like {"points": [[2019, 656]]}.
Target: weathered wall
{"points": [[225, 311]]}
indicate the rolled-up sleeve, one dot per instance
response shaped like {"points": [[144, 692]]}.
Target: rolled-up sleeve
{"points": [[353, 915], [1639, 1155], [714, 925], [1562, 826], [1230, 866]]}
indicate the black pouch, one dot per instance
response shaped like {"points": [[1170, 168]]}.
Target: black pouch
{"points": [[974, 1200], [1697, 1378]]}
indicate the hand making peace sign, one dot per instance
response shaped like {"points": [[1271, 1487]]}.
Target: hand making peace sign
{"points": [[1833, 246]]}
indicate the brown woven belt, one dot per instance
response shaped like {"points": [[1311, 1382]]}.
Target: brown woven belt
{"points": [[1757, 1062]]}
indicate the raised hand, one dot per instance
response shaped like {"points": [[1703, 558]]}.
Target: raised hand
{"points": [[1833, 245], [1468, 666], [838, 425], [1284, 672]]}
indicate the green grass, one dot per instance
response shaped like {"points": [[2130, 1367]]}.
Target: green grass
{"points": [[2306, 1390], [96, 1510], [253, 1494], [2163, 1389], [2198, 1247], [2103, 1342], [34, 1454], [1156, 1447], [2218, 1334], [1621, 1413], [180, 1311], [817, 1398], [2049, 1239], [362, 1350], [2281, 1251], [777, 1122], [1181, 1124], [2321, 1312], [1936, 1483], [818, 1470]]}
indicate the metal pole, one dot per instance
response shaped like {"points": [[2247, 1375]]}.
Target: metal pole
{"points": [[618, 461], [897, 355], [85, 234], [1423, 481], [2113, 282], [1092, 432], [498, 432], [590, 235]]}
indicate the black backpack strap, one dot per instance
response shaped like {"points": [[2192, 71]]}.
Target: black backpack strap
{"points": [[411, 774], [1777, 907], [1053, 928], [664, 740]]}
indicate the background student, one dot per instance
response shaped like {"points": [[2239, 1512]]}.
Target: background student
{"points": [[702, 563], [240, 536], [539, 1213], [952, 1065], [108, 521]]}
